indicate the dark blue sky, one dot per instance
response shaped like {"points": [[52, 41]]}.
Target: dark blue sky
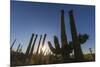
{"points": [[41, 18]]}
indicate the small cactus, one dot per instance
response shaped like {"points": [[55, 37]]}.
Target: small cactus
{"points": [[91, 53]]}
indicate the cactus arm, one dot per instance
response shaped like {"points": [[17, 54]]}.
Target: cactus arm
{"points": [[56, 43], [83, 38], [51, 47]]}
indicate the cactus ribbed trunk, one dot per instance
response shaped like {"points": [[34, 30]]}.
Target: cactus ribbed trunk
{"points": [[76, 44], [64, 37], [39, 44]]}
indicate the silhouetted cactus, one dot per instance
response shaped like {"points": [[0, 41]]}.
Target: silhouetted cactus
{"points": [[76, 44], [91, 53], [64, 50], [64, 37]]}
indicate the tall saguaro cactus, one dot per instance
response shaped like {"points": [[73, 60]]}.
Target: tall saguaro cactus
{"points": [[64, 50], [76, 44], [63, 35]]}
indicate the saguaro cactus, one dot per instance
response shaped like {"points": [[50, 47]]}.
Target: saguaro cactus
{"points": [[76, 44], [64, 36], [91, 53], [64, 50]]}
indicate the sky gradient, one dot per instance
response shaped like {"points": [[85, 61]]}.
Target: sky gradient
{"points": [[41, 18]]}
